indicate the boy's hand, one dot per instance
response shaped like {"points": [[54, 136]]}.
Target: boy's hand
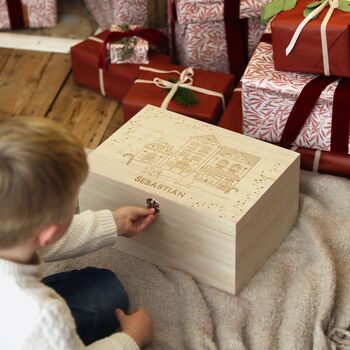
{"points": [[137, 325], [132, 220]]}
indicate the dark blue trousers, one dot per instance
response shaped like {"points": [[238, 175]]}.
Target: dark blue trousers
{"points": [[92, 295]]}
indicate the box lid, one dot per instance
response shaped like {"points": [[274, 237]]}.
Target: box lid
{"points": [[190, 162]]}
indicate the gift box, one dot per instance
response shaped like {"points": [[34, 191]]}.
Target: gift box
{"points": [[150, 13], [294, 108], [333, 163], [212, 90], [232, 118], [90, 68], [209, 34], [306, 55], [109, 12], [220, 194], [128, 50], [194, 11], [19, 14]]}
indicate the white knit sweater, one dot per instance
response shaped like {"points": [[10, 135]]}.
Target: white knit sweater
{"points": [[35, 317]]}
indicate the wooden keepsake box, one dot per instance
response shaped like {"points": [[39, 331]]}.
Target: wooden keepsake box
{"points": [[226, 200]]}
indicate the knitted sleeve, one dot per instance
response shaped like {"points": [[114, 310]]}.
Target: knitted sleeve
{"points": [[89, 231]]}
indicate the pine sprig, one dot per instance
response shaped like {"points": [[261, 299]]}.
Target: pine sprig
{"points": [[184, 96], [128, 44], [128, 48]]}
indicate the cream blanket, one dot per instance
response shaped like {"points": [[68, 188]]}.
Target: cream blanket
{"points": [[300, 299]]}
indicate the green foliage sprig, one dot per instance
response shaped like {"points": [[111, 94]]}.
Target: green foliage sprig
{"points": [[277, 6], [183, 96], [128, 48], [129, 44]]}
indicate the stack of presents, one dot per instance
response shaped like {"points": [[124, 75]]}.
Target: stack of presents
{"points": [[274, 70]]}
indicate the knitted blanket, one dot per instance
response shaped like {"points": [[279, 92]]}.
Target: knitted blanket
{"points": [[300, 298]]}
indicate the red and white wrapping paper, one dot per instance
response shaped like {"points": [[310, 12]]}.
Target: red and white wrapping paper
{"points": [[200, 31], [268, 97], [204, 45], [140, 49], [198, 11], [109, 12], [315, 160], [38, 13]]}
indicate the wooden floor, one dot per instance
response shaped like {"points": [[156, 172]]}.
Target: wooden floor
{"points": [[41, 84]]}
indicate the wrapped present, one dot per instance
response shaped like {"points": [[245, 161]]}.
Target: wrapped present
{"points": [[165, 81], [19, 14], [294, 108], [232, 117], [321, 47], [333, 163], [128, 50], [209, 35], [109, 12], [194, 11], [139, 12], [90, 65]]}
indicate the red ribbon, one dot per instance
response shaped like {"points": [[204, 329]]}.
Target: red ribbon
{"points": [[305, 104], [15, 12], [266, 38], [237, 45], [341, 117], [172, 20], [236, 31], [153, 36], [303, 107], [231, 10]]}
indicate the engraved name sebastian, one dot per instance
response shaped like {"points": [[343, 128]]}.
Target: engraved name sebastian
{"points": [[160, 186]]}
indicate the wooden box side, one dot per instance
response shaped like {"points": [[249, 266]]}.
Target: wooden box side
{"points": [[179, 238], [263, 228]]}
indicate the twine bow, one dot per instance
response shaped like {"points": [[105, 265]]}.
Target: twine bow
{"points": [[185, 81], [333, 4]]}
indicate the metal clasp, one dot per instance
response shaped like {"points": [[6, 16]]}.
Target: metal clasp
{"points": [[152, 203]]}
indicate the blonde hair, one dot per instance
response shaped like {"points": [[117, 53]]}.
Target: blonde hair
{"points": [[42, 166]]}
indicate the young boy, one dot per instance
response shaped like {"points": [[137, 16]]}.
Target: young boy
{"points": [[41, 169]]}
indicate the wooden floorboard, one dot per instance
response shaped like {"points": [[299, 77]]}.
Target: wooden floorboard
{"points": [[116, 122], [29, 81], [85, 112], [40, 83]]}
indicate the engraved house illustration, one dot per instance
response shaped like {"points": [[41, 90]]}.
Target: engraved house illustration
{"points": [[190, 157], [201, 159], [152, 154], [226, 169]]}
